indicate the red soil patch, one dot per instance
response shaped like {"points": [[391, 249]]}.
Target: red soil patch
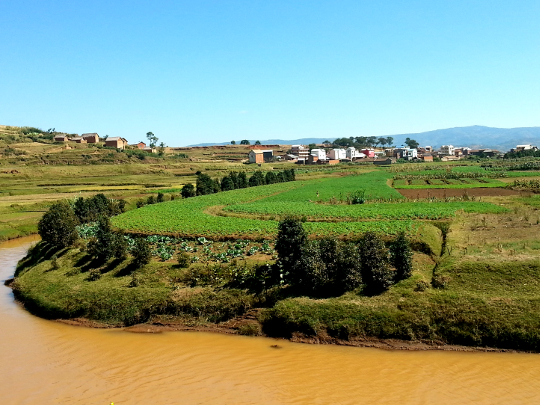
{"points": [[458, 192]]}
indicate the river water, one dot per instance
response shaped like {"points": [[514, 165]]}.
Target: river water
{"points": [[45, 362]]}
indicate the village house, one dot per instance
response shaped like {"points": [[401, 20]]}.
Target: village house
{"points": [[301, 151], [91, 137], [260, 156], [427, 157], [405, 153], [61, 138], [337, 154], [352, 153], [447, 150], [370, 153], [116, 142], [319, 153], [78, 139], [140, 145]]}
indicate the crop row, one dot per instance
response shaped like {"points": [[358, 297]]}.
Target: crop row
{"points": [[407, 210]]}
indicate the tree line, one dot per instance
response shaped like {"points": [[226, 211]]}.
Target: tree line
{"points": [[235, 180], [330, 267]]}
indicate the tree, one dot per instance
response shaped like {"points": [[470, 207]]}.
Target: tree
{"points": [[152, 139], [244, 142], [270, 178], [233, 142], [411, 143], [205, 184], [371, 140], [160, 197], [389, 140], [188, 191], [257, 142], [227, 184], [376, 272], [242, 180], [58, 225], [382, 140], [257, 179], [161, 148], [401, 256], [327, 142], [107, 244], [290, 243], [312, 146], [141, 253]]}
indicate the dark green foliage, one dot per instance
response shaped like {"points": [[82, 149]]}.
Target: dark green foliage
{"points": [[376, 271], [57, 226], [151, 200], [227, 184], [107, 244], [160, 197], [140, 203], [257, 179], [290, 243], [142, 254], [244, 142], [270, 178], [90, 209], [188, 191], [401, 257], [205, 184], [234, 178], [331, 267], [242, 180]]}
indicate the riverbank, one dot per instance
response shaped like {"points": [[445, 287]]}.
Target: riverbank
{"points": [[479, 305]]}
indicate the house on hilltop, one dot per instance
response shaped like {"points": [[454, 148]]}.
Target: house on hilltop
{"points": [[78, 139], [61, 138], [116, 142], [91, 137]]}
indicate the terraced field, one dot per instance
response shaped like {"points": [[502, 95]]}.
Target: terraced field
{"points": [[254, 213]]}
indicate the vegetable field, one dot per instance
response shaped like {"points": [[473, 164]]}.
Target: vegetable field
{"points": [[254, 213]]}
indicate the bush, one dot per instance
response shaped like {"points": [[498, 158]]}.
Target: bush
{"points": [[290, 243], [376, 272], [151, 200], [58, 225], [401, 256], [142, 254], [188, 191], [183, 260], [160, 197]]}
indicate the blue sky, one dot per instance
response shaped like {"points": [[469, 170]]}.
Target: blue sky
{"points": [[214, 71]]}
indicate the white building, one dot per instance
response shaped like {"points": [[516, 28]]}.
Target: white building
{"points": [[520, 148], [301, 151], [406, 153], [337, 154], [319, 153], [448, 150], [352, 153]]}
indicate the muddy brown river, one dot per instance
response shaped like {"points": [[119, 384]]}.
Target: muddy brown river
{"points": [[45, 362]]}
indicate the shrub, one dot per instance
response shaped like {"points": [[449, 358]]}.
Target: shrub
{"points": [[142, 254], [183, 260], [242, 180], [58, 225], [151, 200], [188, 191], [160, 197], [376, 272], [401, 256], [227, 184], [290, 243], [140, 203]]}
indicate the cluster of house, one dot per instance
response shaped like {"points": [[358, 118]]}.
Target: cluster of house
{"points": [[302, 154], [111, 141], [521, 148]]}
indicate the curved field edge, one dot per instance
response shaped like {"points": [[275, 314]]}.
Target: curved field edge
{"points": [[191, 218]]}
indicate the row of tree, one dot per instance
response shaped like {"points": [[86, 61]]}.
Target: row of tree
{"points": [[329, 267], [234, 180]]}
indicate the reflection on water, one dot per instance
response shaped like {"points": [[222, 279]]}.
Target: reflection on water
{"points": [[44, 362]]}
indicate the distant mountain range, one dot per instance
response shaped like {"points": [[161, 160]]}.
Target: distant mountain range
{"points": [[502, 139]]}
